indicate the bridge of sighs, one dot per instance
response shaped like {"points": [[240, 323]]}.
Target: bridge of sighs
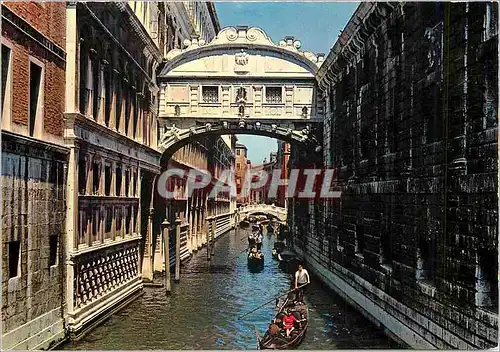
{"points": [[239, 83]]}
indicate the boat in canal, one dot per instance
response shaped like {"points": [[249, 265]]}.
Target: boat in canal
{"points": [[288, 260], [279, 246], [278, 340], [245, 224], [255, 259]]}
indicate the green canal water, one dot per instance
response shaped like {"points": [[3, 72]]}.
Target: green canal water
{"points": [[203, 309]]}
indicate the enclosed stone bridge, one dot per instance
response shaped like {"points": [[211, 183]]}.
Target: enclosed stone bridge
{"points": [[273, 210], [239, 83]]}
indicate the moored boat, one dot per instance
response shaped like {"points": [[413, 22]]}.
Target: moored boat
{"points": [[275, 337], [279, 246], [288, 260]]}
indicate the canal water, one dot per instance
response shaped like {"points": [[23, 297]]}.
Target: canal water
{"points": [[203, 309]]}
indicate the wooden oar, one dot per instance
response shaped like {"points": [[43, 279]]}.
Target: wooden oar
{"points": [[262, 305], [257, 336]]}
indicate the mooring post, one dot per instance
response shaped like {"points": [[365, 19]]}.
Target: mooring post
{"points": [[214, 229], [166, 254], [208, 229], [177, 250]]}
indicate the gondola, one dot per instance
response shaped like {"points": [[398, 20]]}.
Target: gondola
{"points": [[251, 240], [270, 227], [279, 246], [244, 224], [280, 341], [255, 259], [288, 261]]}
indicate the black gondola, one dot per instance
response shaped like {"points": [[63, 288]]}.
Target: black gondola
{"points": [[279, 340], [279, 246], [288, 261], [255, 259], [251, 241]]}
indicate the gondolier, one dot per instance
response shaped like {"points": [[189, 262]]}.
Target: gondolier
{"points": [[301, 279]]}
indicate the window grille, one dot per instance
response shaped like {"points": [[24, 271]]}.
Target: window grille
{"points": [[273, 95], [210, 94]]}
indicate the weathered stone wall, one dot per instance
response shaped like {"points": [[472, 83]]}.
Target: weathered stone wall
{"points": [[412, 125], [33, 176], [33, 210]]}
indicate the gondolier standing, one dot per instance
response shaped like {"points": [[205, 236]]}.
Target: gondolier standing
{"points": [[301, 279]]}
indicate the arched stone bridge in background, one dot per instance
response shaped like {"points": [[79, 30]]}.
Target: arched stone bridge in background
{"points": [[273, 210]]}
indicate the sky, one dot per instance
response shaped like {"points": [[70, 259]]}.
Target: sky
{"points": [[316, 24]]}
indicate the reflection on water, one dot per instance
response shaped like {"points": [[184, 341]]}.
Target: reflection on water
{"points": [[203, 309]]}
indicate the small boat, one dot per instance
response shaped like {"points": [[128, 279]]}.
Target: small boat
{"points": [[279, 340], [288, 261], [251, 240], [255, 259], [270, 227], [245, 224], [279, 246]]}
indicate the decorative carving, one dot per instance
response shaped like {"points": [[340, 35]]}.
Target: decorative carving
{"points": [[241, 110], [432, 37], [241, 58], [99, 272], [241, 95], [171, 132], [253, 34], [231, 34], [177, 109], [208, 127], [304, 111]]}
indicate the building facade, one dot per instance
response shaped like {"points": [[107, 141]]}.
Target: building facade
{"points": [[34, 171], [240, 172], [262, 175], [411, 128], [211, 155], [110, 124], [282, 163]]}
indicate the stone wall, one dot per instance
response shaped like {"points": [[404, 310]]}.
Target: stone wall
{"points": [[33, 175], [33, 214], [411, 93]]}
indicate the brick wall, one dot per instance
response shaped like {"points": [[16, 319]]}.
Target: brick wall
{"points": [[414, 142], [49, 19], [33, 180]]}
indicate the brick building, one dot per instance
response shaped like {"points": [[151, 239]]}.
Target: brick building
{"points": [[411, 95], [282, 160], [240, 172], [34, 164], [261, 173]]}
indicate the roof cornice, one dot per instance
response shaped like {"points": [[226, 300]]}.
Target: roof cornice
{"points": [[363, 23]]}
